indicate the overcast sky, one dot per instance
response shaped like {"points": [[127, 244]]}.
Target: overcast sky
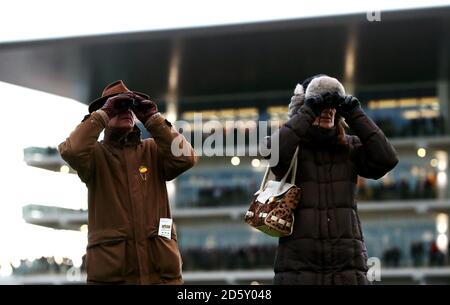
{"points": [[31, 20], [40, 119]]}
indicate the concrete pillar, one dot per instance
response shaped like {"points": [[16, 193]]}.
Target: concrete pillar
{"points": [[350, 61], [173, 81], [172, 99]]}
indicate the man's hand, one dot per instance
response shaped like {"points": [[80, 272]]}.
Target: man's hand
{"points": [[347, 105], [143, 108], [117, 103]]}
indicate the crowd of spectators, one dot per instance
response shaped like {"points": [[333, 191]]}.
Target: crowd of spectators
{"points": [[420, 254], [251, 257], [413, 127], [43, 265], [424, 188]]}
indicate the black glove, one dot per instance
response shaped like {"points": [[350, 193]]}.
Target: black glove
{"points": [[347, 105], [316, 103]]}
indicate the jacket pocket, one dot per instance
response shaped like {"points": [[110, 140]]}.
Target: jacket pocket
{"points": [[165, 256], [105, 256]]}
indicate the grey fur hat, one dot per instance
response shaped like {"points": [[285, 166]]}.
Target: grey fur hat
{"points": [[315, 85]]}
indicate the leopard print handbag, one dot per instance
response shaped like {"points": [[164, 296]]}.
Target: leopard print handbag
{"points": [[272, 208]]}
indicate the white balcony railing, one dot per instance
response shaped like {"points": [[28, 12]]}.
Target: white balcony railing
{"points": [[401, 275], [70, 219]]}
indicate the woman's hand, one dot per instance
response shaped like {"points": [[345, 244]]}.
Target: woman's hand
{"points": [[347, 105]]}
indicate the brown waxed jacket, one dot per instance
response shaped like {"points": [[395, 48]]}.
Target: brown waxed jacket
{"points": [[124, 205]]}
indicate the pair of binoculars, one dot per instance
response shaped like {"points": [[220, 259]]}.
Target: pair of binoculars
{"points": [[332, 100], [124, 104]]}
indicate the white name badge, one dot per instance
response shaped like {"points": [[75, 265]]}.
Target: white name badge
{"points": [[165, 227]]}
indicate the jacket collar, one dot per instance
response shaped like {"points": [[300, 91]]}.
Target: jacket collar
{"points": [[133, 139], [321, 137]]}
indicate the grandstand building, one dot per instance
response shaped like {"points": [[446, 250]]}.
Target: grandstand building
{"points": [[397, 67]]}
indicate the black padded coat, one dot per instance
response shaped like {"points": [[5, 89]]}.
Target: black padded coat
{"points": [[327, 244]]}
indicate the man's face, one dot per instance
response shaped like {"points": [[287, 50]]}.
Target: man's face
{"points": [[326, 118], [124, 120]]}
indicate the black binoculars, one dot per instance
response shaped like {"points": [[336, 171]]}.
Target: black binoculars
{"points": [[129, 103], [332, 100]]}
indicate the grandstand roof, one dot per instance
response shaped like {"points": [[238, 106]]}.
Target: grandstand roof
{"points": [[404, 47]]}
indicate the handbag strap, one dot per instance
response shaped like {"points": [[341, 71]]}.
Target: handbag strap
{"points": [[294, 170], [264, 180], [292, 166]]}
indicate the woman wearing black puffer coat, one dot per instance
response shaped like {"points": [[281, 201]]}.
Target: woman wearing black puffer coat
{"points": [[327, 244]]}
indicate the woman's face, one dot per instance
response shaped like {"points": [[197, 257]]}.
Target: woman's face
{"points": [[326, 118]]}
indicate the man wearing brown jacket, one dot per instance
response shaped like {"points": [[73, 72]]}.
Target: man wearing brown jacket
{"points": [[131, 236]]}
